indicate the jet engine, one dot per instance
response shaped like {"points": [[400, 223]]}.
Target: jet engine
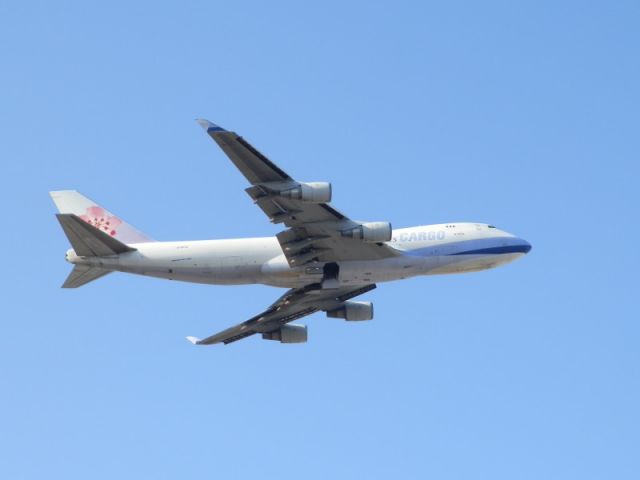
{"points": [[370, 232], [353, 311], [288, 334], [312, 192]]}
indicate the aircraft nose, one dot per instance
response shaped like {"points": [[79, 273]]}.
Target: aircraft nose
{"points": [[526, 246]]}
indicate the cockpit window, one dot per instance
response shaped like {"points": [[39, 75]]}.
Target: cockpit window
{"points": [[491, 226]]}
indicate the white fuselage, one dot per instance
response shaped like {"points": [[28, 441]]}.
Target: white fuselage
{"points": [[424, 250]]}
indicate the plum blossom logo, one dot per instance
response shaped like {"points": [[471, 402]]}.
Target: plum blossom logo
{"points": [[101, 219]]}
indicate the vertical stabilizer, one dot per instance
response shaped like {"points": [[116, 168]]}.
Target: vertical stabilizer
{"points": [[71, 201]]}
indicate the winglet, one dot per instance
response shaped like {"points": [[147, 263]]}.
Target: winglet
{"points": [[193, 340], [208, 126]]}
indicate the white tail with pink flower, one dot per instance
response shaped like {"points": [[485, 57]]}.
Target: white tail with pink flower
{"points": [[71, 201]]}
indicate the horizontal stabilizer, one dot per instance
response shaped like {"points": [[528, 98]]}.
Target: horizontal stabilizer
{"points": [[82, 274], [87, 240]]}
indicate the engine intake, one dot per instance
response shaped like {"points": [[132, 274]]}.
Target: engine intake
{"points": [[370, 232], [288, 334], [353, 311], [313, 192]]}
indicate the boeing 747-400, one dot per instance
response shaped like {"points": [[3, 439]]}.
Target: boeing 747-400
{"points": [[323, 257]]}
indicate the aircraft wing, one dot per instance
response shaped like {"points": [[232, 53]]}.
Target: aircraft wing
{"points": [[294, 304], [315, 230]]}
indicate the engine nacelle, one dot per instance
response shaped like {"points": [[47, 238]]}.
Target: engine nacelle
{"points": [[353, 311], [370, 232], [312, 192], [288, 334]]}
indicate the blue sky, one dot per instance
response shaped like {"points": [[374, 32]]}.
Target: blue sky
{"points": [[520, 114]]}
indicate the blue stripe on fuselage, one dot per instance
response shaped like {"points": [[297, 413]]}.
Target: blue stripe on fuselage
{"points": [[478, 246], [496, 250]]}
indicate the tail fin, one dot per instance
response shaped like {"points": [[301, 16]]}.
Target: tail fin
{"points": [[89, 241], [82, 274], [70, 201]]}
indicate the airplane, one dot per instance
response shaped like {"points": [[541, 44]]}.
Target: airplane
{"points": [[323, 257]]}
